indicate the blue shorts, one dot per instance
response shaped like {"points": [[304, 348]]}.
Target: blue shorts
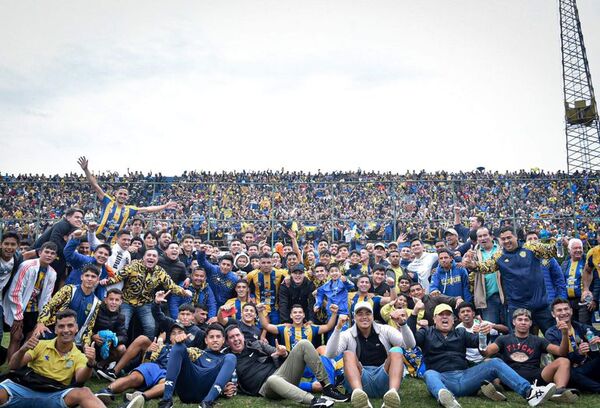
{"points": [[23, 397], [152, 373], [375, 381]]}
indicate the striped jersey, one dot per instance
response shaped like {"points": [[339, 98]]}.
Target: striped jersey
{"points": [[114, 218]]}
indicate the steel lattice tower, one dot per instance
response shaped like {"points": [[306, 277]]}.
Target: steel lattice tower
{"points": [[581, 113]]}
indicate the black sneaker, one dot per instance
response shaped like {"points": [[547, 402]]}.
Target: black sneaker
{"points": [[207, 404], [109, 375], [331, 393], [321, 403], [165, 404], [105, 395]]}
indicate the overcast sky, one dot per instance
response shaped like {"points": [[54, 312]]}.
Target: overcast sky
{"points": [[330, 85]]}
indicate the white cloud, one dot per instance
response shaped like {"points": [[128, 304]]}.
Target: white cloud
{"points": [[389, 85]]}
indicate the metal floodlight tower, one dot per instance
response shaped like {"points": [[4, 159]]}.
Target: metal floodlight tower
{"points": [[582, 127]]}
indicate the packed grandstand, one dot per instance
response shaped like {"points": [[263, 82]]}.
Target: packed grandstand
{"points": [[340, 206]]}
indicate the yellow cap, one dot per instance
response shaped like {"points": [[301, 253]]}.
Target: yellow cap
{"points": [[441, 308]]}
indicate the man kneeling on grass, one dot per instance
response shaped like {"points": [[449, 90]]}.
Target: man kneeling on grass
{"points": [[448, 374], [262, 371]]}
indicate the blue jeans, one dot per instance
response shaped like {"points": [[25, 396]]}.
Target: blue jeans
{"points": [[542, 318], [144, 314], [23, 397], [495, 310], [467, 382]]}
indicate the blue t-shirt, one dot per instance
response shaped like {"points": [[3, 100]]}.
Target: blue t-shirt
{"points": [[82, 305]]}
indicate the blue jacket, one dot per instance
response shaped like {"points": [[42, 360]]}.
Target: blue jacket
{"points": [[222, 285], [554, 279], [522, 276], [78, 261], [554, 336], [336, 293], [200, 296], [454, 282]]}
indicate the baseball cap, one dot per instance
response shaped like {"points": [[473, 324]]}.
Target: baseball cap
{"points": [[450, 231], [363, 305], [298, 268], [177, 324], [442, 308], [379, 244]]}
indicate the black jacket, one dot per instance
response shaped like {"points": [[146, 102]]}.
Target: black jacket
{"points": [[446, 353], [175, 269], [254, 365], [164, 323], [113, 321], [296, 294]]}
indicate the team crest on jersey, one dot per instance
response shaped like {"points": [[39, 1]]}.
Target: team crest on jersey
{"points": [[545, 262], [522, 254]]}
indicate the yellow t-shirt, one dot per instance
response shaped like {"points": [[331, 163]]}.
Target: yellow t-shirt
{"points": [[47, 361]]}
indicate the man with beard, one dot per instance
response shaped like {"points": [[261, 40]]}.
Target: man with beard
{"points": [[261, 370], [448, 374], [140, 280], [177, 272]]}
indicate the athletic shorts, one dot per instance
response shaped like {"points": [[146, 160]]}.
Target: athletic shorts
{"points": [[152, 373]]}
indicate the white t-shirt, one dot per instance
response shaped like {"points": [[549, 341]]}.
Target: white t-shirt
{"points": [[422, 267], [473, 354]]}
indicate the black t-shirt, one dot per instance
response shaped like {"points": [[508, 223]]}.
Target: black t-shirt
{"points": [[522, 354], [372, 350]]}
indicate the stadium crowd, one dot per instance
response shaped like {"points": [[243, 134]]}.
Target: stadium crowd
{"points": [[161, 309], [339, 206]]}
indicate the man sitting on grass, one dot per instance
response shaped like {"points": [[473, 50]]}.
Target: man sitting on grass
{"points": [[57, 365]]}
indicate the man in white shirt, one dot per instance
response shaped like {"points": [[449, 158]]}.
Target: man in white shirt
{"points": [[120, 256], [422, 263], [466, 315]]}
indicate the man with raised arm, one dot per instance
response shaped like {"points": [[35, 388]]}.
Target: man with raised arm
{"points": [[115, 213]]}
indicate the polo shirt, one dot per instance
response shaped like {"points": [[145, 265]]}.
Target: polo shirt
{"points": [[47, 361]]}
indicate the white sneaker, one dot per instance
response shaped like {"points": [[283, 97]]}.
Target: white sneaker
{"points": [[447, 400], [131, 395], [360, 399], [137, 402], [391, 399], [539, 395]]}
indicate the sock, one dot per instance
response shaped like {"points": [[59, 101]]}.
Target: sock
{"points": [[178, 352], [305, 386], [222, 378]]}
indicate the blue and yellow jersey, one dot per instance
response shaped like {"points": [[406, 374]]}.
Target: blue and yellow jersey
{"points": [[572, 272], [113, 218], [593, 258], [238, 304], [289, 334], [355, 297], [265, 287]]}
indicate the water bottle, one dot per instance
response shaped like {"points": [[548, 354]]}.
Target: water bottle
{"points": [[234, 379], [560, 249], [482, 337], [589, 336]]}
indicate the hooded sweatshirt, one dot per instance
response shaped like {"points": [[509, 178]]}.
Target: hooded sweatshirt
{"points": [[453, 282]]}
